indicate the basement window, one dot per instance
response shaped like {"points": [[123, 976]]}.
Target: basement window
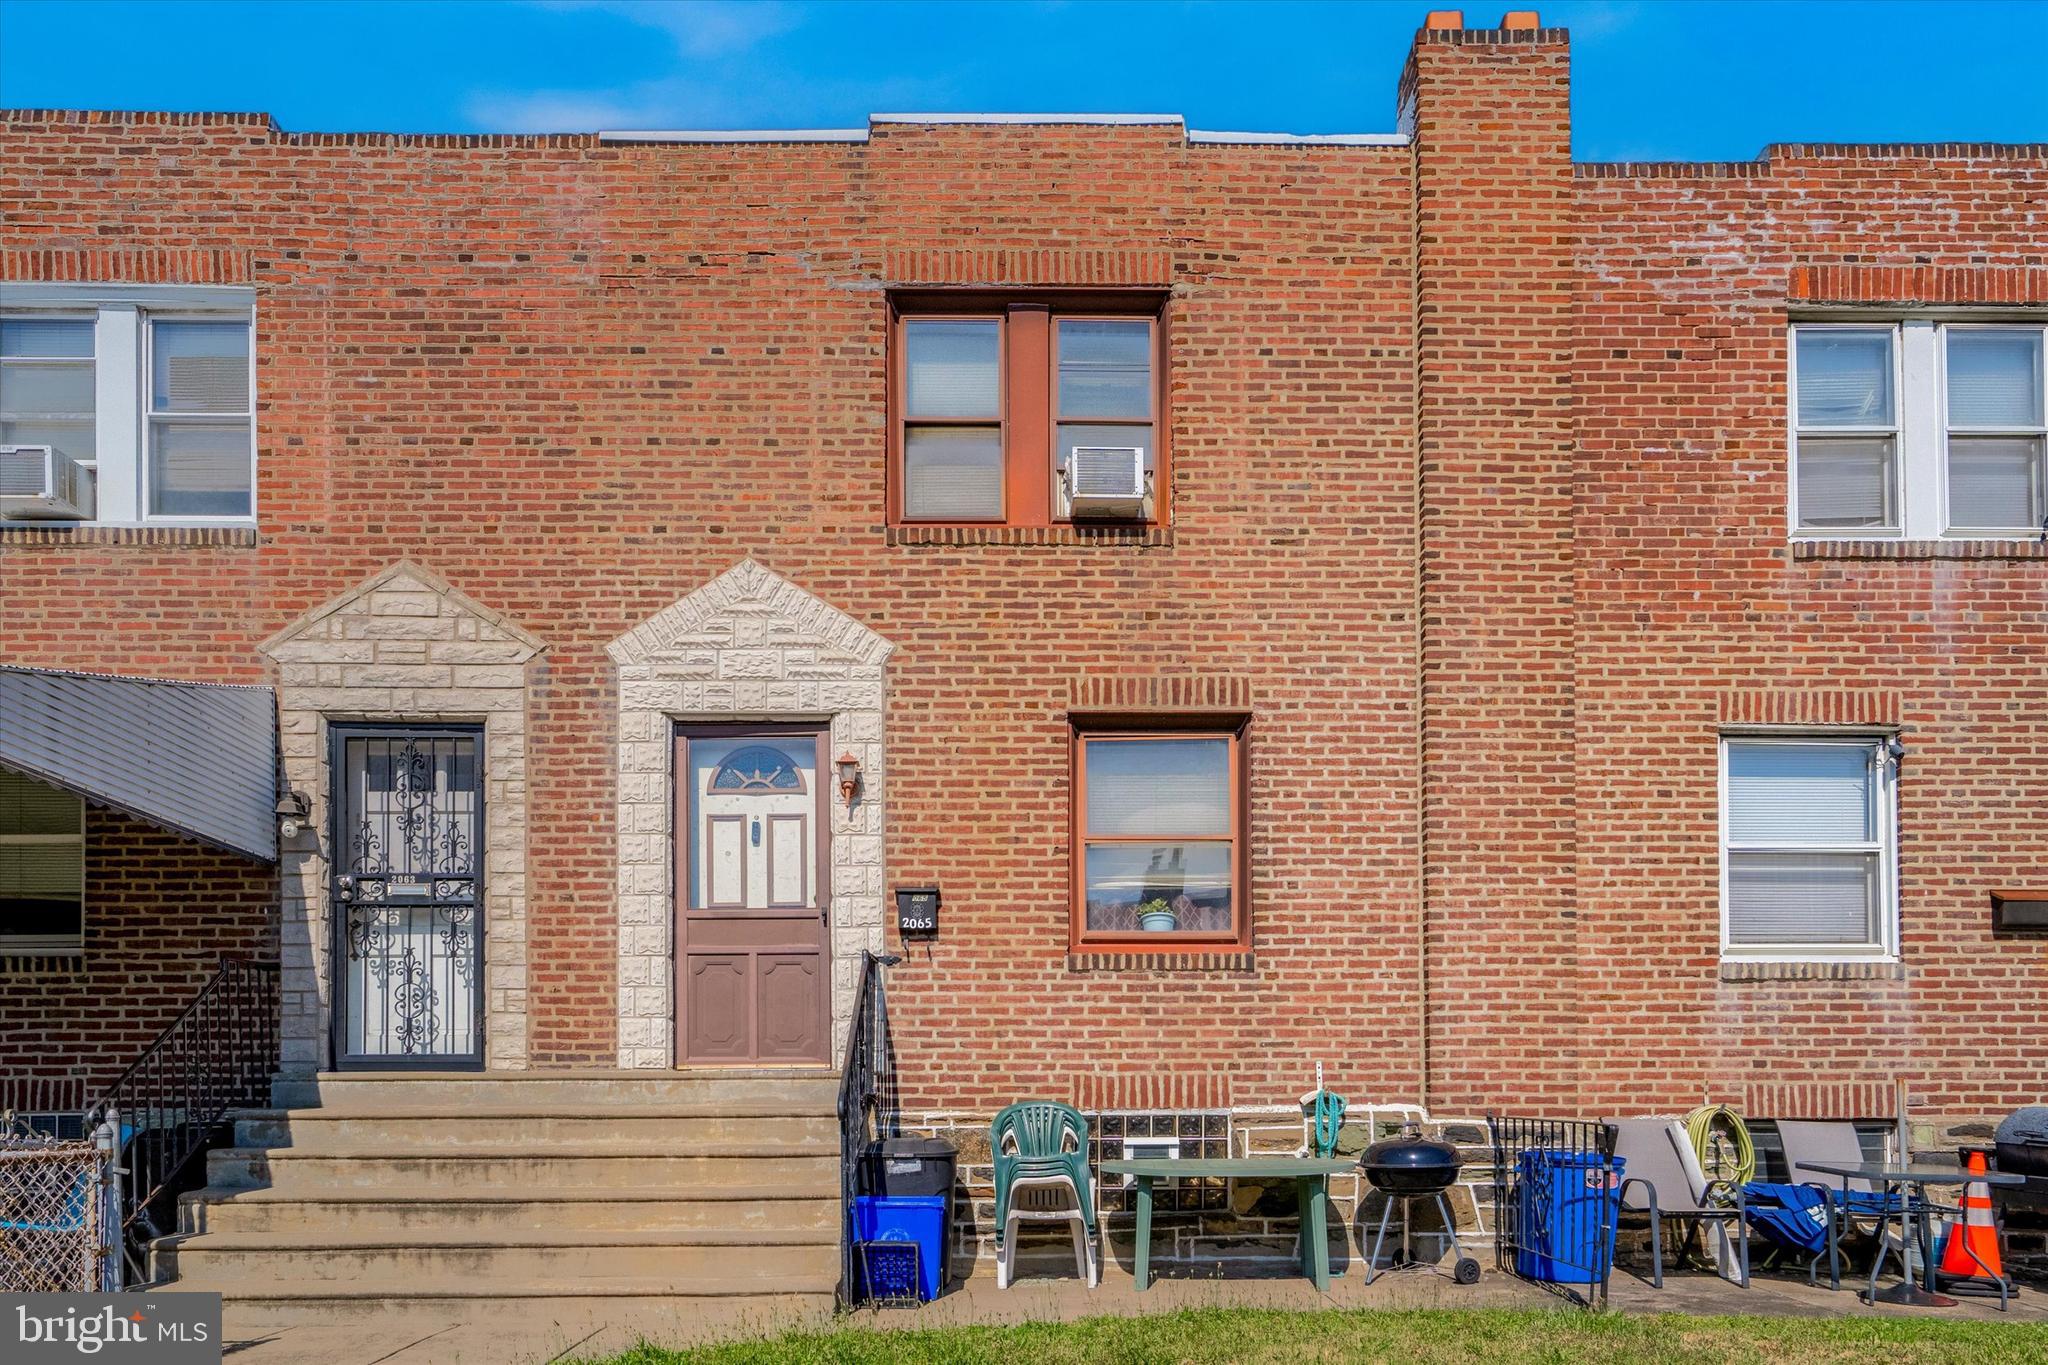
{"points": [[42, 869]]}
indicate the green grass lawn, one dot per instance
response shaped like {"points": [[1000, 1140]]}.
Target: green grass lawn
{"points": [[1481, 1336]]}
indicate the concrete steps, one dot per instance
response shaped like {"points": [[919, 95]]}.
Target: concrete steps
{"points": [[413, 1131], [796, 1207], [485, 1258], [360, 1194]]}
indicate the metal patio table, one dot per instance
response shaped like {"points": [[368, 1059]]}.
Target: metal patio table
{"points": [[1905, 1179], [1311, 1191]]}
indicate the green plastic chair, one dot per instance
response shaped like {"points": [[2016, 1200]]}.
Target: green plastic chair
{"points": [[1042, 1145]]}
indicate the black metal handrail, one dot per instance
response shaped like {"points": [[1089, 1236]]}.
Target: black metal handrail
{"points": [[216, 1056], [867, 1098], [1511, 1137]]}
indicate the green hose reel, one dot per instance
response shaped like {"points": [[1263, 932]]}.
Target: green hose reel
{"points": [[1327, 1117]]}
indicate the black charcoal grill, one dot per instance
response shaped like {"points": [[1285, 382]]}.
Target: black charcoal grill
{"points": [[2022, 1149], [1411, 1167]]}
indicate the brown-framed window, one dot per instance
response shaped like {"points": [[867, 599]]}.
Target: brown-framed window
{"points": [[1159, 835], [990, 395]]}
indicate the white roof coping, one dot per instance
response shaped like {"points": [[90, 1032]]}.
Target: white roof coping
{"points": [[1026, 118], [1197, 136], [738, 135]]}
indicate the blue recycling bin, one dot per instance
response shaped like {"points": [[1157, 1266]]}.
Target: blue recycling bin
{"points": [[919, 1219], [1566, 1208]]}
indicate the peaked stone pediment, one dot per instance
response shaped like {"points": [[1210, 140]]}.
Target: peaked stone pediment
{"points": [[751, 621], [407, 601]]}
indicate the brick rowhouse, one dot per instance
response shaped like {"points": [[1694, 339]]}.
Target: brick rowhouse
{"points": [[1477, 512]]}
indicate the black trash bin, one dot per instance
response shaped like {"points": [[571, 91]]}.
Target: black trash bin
{"points": [[900, 1166]]}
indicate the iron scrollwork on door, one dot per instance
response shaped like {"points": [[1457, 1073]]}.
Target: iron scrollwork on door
{"points": [[406, 885]]}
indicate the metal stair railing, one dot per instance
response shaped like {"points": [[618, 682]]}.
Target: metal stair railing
{"points": [[167, 1107], [868, 1107]]}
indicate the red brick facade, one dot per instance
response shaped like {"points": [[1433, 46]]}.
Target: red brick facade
{"points": [[159, 912], [1478, 511]]}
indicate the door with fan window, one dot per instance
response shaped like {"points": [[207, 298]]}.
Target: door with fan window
{"points": [[752, 893]]}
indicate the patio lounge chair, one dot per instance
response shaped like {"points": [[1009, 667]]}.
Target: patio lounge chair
{"points": [[1040, 1149], [1664, 1180], [1850, 1205]]}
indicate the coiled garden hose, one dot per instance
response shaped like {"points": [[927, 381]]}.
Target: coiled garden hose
{"points": [[1721, 1140], [1329, 1122]]}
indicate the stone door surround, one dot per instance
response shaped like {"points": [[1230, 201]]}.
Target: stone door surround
{"points": [[403, 646], [747, 646]]}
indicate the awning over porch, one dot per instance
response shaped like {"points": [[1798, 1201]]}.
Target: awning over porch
{"points": [[198, 759]]}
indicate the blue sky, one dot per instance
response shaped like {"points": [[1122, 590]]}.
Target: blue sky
{"points": [[1653, 79]]}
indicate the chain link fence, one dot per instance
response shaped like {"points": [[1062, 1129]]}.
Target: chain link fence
{"points": [[59, 1217]]}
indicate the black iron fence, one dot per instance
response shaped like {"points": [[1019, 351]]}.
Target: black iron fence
{"points": [[1555, 1203], [171, 1104], [868, 1107]]}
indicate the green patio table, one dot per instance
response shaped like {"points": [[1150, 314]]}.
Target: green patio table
{"points": [[1311, 1179]]}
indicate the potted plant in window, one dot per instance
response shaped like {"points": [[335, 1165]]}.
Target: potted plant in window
{"points": [[1155, 916]]}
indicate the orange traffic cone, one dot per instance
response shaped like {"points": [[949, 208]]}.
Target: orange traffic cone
{"points": [[1972, 1251]]}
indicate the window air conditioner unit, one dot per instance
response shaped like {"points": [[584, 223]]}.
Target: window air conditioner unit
{"points": [[1106, 481], [41, 483]]}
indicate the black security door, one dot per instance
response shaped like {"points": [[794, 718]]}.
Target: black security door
{"points": [[407, 896]]}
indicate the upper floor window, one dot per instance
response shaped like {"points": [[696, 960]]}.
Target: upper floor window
{"points": [[1919, 429], [47, 384], [1026, 414], [125, 404], [1807, 846], [1996, 431]]}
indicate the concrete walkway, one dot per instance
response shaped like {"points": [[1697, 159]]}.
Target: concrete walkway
{"points": [[508, 1334]]}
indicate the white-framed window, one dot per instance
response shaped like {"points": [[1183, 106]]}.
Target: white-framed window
{"points": [[1919, 428], [42, 868], [201, 409], [48, 382], [1845, 410], [1809, 847], [1997, 430], [150, 388]]}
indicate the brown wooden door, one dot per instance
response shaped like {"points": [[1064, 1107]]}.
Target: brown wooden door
{"points": [[752, 879]]}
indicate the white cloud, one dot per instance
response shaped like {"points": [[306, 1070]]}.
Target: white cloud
{"points": [[726, 72], [701, 28], [753, 98]]}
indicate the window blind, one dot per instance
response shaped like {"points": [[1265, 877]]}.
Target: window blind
{"points": [[1162, 786], [41, 872], [1845, 482], [1779, 898], [199, 367], [1995, 481], [46, 338], [953, 369], [200, 469], [1994, 378], [1800, 794], [31, 807], [1105, 368], [952, 473], [47, 388], [1845, 378]]}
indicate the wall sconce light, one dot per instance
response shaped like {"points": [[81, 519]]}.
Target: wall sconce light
{"points": [[293, 811], [849, 776]]}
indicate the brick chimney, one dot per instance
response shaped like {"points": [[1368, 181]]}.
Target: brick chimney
{"points": [[1489, 114]]}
